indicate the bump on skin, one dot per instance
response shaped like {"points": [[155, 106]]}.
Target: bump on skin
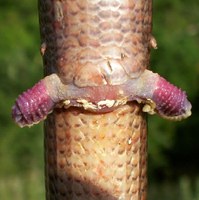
{"points": [[171, 102], [32, 106]]}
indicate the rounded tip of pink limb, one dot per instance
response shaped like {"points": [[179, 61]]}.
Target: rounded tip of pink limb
{"points": [[171, 102], [32, 106]]}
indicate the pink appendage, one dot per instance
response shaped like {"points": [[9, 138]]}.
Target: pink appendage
{"points": [[157, 95], [171, 102], [32, 105]]}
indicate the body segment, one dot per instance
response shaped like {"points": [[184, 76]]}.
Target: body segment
{"points": [[96, 156], [152, 91]]}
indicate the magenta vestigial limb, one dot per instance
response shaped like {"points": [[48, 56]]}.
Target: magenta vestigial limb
{"points": [[32, 106], [171, 102], [150, 89]]}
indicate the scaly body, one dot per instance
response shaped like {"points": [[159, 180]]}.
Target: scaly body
{"points": [[96, 55]]}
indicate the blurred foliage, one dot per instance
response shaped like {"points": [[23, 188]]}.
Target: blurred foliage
{"points": [[173, 146], [21, 150]]}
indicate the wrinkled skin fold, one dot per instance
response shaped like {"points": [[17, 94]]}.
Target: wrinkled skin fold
{"points": [[150, 89]]}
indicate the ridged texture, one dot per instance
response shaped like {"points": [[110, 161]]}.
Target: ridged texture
{"points": [[171, 102], [32, 105], [96, 156], [95, 42]]}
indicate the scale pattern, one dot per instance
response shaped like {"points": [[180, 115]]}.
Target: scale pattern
{"points": [[95, 42], [96, 156], [96, 54]]}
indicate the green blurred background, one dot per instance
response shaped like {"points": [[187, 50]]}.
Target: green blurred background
{"points": [[173, 146]]}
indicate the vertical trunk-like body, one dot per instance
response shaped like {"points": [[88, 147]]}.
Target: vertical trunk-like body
{"points": [[95, 155]]}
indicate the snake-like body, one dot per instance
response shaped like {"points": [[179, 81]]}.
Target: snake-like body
{"points": [[96, 156], [96, 55]]}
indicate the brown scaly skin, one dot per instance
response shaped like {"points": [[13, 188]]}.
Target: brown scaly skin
{"points": [[102, 156], [96, 156], [90, 43], [95, 56]]}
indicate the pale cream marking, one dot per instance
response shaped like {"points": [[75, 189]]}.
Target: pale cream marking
{"points": [[149, 107], [108, 103], [153, 42], [66, 104], [43, 48], [129, 141], [86, 104]]}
